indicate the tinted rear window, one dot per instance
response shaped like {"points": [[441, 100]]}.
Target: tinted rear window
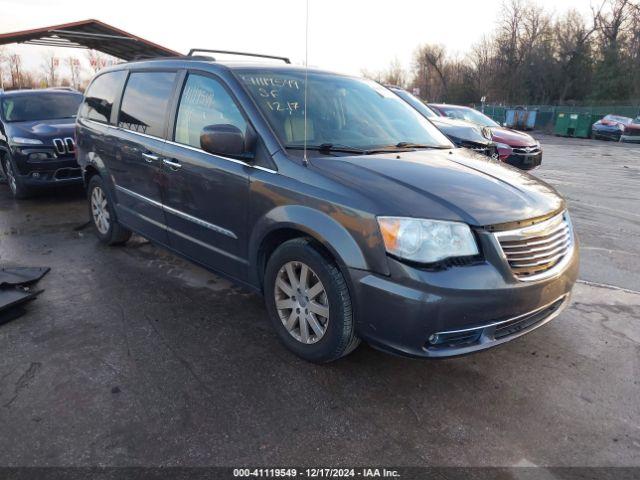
{"points": [[40, 106], [101, 95], [145, 100]]}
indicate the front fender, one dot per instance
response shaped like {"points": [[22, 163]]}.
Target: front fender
{"points": [[319, 225]]}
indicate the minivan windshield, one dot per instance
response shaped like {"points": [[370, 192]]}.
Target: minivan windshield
{"points": [[40, 106], [343, 112]]}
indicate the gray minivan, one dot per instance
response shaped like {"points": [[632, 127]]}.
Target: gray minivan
{"points": [[350, 213]]}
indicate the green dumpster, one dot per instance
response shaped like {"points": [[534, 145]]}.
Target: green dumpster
{"points": [[582, 126], [573, 125], [562, 125]]}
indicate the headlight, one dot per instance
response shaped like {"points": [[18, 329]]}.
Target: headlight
{"points": [[504, 146], [26, 141], [426, 241]]}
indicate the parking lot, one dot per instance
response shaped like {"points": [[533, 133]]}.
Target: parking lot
{"points": [[132, 356]]}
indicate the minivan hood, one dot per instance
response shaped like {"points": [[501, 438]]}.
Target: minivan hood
{"points": [[43, 130], [513, 138], [457, 185]]}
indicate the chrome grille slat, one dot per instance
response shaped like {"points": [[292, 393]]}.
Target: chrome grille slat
{"points": [[517, 265], [536, 251], [541, 252], [540, 247], [509, 244]]}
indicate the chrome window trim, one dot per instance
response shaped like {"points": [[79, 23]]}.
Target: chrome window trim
{"points": [[183, 215], [557, 312], [188, 147], [234, 160], [532, 231]]}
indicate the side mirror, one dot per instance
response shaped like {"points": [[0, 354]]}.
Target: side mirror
{"points": [[223, 140]]}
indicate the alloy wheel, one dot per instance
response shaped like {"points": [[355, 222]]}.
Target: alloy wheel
{"points": [[301, 302], [99, 210]]}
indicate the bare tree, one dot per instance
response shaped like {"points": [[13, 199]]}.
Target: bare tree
{"points": [[481, 60], [395, 74], [50, 66], [15, 70], [614, 22], [574, 53], [434, 57], [4, 58], [73, 64]]}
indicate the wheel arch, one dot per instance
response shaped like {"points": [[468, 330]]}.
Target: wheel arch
{"points": [[294, 221], [88, 172]]}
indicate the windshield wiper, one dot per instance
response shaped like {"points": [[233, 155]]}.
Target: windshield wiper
{"points": [[406, 146], [329, 147]]}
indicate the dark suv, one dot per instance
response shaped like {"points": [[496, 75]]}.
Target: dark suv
{"points": [[462, 133], [354, 217], [37, 148]]}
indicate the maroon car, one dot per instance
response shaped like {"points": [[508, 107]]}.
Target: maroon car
{"points": [[515, 148]]}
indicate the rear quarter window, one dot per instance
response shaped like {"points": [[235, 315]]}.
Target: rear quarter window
{"points": [[101, 95]]}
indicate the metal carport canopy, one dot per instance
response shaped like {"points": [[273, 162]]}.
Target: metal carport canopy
{"points": [[90, 34]]}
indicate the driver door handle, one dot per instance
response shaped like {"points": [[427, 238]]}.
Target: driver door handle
{"points": [[171, 164], [149, 157]]}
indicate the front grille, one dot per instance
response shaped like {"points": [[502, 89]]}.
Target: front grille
{"points": [[533, 252], [526, 150], [64, 146], [60, 147]]}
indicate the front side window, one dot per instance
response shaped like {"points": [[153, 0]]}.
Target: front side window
{"points": [[144, 103], [101, 95], [204, 102], [415, 102], [341, 111], [40, 106]]}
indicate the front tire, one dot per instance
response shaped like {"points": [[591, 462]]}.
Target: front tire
{"points": [[102, 214], [17, 188], [309, 303]]}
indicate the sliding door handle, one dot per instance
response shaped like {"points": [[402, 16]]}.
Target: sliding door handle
{"points": [[171, 164], [149, 157]]}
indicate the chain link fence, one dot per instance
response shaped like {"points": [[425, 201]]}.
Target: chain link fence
{"points": [[546, 115]]}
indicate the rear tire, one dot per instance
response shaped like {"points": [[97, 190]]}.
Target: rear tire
{"points": [[16, 186], [102, 214], [308, 302]]}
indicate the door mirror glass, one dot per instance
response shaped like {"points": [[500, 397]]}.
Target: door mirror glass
{"points": [[222, 139]]}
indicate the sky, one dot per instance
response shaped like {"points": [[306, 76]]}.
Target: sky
{"points": [[344, 35]]}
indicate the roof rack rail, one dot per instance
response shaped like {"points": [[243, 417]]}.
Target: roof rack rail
{"points": [[245, 54], [180, 57]]}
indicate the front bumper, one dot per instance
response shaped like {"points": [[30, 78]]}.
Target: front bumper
{"points": [[471, 307], [524, 161], [55, 170], [607, 134], [630, 138]]}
